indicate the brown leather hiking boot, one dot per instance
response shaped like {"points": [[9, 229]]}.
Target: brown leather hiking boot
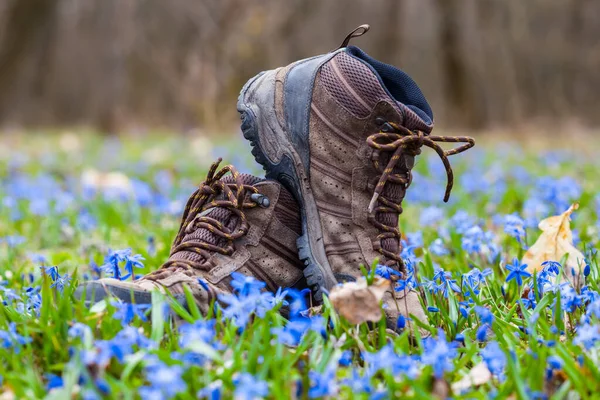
{"points": [[236, 223], [341, 131]]}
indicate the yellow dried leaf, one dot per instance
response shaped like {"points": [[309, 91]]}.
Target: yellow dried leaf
{"points": [[358, 302], [554, 243]]}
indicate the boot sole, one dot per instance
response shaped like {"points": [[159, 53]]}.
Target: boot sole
{"points": [[273, 149]]}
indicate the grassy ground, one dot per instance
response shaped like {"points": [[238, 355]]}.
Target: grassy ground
{"points": [[58, 208]]}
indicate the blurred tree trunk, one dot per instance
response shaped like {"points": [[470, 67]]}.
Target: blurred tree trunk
{"points": [[459, 98], [27, 21]]}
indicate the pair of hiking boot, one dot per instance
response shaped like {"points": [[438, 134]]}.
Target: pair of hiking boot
{"points": [[337, 135]]}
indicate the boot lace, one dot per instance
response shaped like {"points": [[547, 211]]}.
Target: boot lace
{"points": [[400, 141], [195, 217]]}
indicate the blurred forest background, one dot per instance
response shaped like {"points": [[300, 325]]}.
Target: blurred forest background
{"points": [[117, 64]]}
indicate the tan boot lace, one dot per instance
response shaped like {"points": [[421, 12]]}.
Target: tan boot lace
{"points": [[399, 140], [195, 217]]}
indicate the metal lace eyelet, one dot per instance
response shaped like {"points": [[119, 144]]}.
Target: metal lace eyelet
{"points": [[380, 121], [260, 199]]}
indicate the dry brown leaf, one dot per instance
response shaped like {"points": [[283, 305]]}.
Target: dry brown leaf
{"points": [[554, 243], [358, 302], [477, 376]]}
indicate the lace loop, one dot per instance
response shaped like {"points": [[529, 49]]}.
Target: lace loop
{"points": [[197, 216], [402, 142]]}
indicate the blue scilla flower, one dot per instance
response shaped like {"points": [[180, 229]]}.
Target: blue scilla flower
{"points": [[514, 226], [247, 387], [517, 272], [202, 331], [530, 300], [211, 392], [54, 381], [475, 278], [51, 271], [61, 282], [552, 267], [587, 336], [437, 248], [126, 312], [431, 216], [462, 221], [415, 239], [386, 359], [386, 272], [323, 384], [494, 358], [13, 241], [165, 379], [484, 314], [112, 260], [357, 383], [439, 354], [245, 285], [296, 328], [80, 331], [131, 262], [10, 339]]}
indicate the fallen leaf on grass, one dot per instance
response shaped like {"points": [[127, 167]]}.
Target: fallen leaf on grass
{"points": [[477, 376], [359, 302], [554, 243]]}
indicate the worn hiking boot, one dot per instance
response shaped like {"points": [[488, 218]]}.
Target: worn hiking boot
{"points": [[231, 223], [341, 131]]}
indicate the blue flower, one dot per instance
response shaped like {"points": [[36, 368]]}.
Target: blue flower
{"points": [[530, 301], [10, 339], [61, 282], [358, 384], [52, 272], [517, 272], [126, 312], [80, 330], [54, 382], [345, 359], [461, 221], [247, 387], [587, 336], [247, 300], [112, 260], [431, 215], [386, 272], [555, 362], [475, 278], [514, 226], [132, 262], [211, 392], [552, 267], [437, 248], [494, 358], [245, 285], [166, 379], [279, 298], [200, 331], [323, 384], [13, 241], [415, 239], [484, 314], [296, 328], [439, 354], [482, 332]]}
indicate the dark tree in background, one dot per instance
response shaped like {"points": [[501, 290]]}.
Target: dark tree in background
{"points": [[114, 64]]}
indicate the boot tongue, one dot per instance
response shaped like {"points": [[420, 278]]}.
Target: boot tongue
{"points": [[221, 214]]}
